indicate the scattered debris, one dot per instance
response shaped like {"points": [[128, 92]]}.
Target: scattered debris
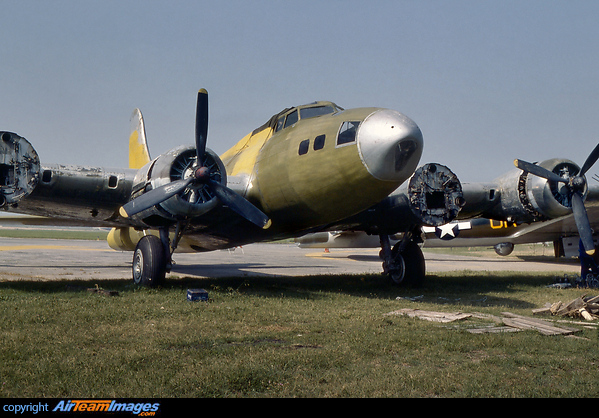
{"points": [[103, 292], [493, 329], [544, 327], [411, 298], [590, 280], [92, 290], [586, 307], [431, 315], [508, 323]]}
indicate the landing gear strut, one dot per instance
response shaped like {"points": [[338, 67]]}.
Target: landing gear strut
{"points": [[404, 263]]}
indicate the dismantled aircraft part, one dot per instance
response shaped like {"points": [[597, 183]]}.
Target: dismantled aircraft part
{"points": [[435, 194], [85, 195], [19, 168], [568, 186], [188, 181], [504, 248]]}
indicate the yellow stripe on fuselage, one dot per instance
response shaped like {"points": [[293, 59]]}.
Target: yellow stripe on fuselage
{"points": [[241, 158]]}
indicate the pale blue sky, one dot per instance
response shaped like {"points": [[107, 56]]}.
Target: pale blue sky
{"points": [[487, 81]]}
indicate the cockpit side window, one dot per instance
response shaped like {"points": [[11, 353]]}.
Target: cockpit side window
{"points": [[291, 118], [347, 132]]}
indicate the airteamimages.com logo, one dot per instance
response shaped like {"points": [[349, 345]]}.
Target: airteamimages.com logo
{"points": [[142, 409], [146, 409]]}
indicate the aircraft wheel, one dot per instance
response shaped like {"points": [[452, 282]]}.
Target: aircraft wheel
{"points": [[149, 262], [395, 269], [415, 268]]}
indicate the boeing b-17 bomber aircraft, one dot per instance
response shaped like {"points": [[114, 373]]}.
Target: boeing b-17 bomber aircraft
{"points": [[311, 168], [308, 168]]}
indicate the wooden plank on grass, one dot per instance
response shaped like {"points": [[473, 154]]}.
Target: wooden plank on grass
{"points": [[492, 329], [539, 325], [432, 315]]}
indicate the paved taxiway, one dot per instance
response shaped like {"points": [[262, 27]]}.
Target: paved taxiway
{"points": [[38, 259]]}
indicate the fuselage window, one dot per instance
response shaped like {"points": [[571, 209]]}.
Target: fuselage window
{"points": [[304, 146], [319, 142], [113, 181], [291, 118], [312, 112], [347, 133]]}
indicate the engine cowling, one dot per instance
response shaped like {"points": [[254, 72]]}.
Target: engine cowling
{"points": [[529, 198], [19, 168], [175, 165], [549, 197]]}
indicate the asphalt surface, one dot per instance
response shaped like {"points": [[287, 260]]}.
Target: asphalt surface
{"points": [[47, 259]]}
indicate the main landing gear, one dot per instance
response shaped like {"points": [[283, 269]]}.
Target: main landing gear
{"points": [[152, 258], [404, 262]]}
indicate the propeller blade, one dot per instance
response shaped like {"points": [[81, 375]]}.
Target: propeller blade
{"points": [[154, 197], [201, 125], [538, 171], [240, 205], [591, 159], [582, 224]]}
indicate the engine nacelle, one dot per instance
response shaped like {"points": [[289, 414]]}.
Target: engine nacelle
{"points": [[19, 168], [432, 197], [529, 198], [175, 165], [435, 194]]}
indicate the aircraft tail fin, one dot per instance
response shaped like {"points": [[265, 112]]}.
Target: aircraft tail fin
{"points": [[139, 154]]}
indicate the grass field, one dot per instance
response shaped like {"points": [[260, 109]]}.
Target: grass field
{"points": [[322, 336]]}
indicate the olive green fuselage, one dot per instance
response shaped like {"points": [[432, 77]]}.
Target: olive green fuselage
{"points": [[301, 185]]}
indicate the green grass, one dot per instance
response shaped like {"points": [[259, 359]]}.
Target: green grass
{"points": [[325, 336]]}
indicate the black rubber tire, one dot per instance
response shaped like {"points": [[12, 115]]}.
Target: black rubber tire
{"points": [[149, 262], [415, 266]]}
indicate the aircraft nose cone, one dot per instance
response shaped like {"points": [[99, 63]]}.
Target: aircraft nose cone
{"points": [[390, 145]]}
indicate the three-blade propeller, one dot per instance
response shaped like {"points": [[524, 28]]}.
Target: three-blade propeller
{"points": [[201, 175], [575, 186]]}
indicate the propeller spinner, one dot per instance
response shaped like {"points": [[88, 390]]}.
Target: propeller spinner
{"points": [[201, 175], [575, 186]]}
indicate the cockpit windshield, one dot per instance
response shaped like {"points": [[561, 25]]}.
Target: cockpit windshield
{"points": [[312, 112], [305, 112]]}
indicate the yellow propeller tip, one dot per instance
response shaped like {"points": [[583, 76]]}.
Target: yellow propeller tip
{"points": [[203, 91], [591, 252], [123, 213], [267, 224]]}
